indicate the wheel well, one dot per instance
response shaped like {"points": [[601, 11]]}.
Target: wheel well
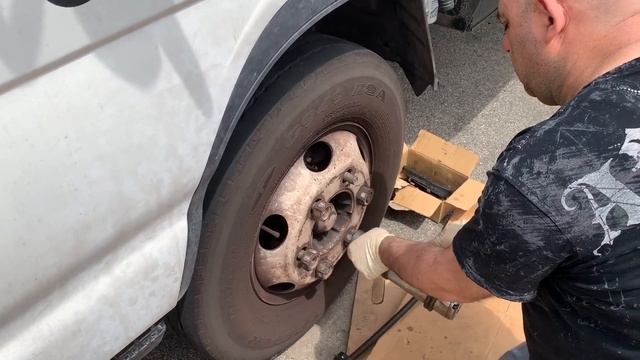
{"points": [[396, 30]]}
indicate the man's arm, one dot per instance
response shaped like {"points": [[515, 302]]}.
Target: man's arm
{"points": [[431, 269], [508, 247]]}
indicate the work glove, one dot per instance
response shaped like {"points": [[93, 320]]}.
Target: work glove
{"points": [[365, 255]]}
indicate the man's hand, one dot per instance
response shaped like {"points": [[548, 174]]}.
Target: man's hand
{"points": [[365, 255]]}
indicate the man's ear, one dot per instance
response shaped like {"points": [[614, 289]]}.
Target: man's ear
{"points": [[556, 17]]}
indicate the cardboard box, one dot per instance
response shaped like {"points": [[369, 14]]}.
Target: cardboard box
{"points": [[441, 163]]}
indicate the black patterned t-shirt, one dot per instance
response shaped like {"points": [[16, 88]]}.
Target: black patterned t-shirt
{"points": [[558, 225]]}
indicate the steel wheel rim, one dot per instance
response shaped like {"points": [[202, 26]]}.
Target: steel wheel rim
{"points": [[302, 259]]}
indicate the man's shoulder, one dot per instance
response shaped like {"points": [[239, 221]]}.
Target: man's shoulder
{"points": [[601, 123], [558, 143]]}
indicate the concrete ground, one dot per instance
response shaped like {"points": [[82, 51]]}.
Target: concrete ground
{"points": [[480, 105], [481, 331]]}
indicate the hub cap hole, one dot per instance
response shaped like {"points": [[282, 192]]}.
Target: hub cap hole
{"points": [[280, 288], [273, 232], [318, 157], [343, 203]]}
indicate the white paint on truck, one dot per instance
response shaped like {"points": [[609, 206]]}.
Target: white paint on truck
{"points": [[108, 112]]}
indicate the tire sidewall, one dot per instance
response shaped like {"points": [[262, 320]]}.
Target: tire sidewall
{"points": [[355, 87]]}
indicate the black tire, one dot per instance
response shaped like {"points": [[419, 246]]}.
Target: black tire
{"points": [[323, 84]]}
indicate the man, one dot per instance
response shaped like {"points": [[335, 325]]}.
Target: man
{"points": [[558, 225]]}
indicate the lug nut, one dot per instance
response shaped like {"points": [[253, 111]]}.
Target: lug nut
{"points": [[324, 269], [364, 195], [321, 210], [349, 178], [308, 259]]}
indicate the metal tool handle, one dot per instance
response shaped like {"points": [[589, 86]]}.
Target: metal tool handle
{"points": [[448, 309]]}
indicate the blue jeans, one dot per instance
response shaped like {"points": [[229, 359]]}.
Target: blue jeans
{"points": [[519, 352]]}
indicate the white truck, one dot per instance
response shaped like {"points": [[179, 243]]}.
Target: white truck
{"points": [[203, 159]]}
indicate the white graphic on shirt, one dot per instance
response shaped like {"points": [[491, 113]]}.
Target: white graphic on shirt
{"points": [[631, 146], [617, 193]]}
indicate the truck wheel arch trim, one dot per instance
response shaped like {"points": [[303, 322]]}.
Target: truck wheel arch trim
{"points": [[286, 26]]}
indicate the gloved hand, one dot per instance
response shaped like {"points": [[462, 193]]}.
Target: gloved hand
{"points": [[364, 253]]}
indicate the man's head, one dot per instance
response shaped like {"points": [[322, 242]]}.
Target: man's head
{"points": [[558, 46]]}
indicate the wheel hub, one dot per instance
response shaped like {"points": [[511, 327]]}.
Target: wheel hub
{"points": [[318, 203]]}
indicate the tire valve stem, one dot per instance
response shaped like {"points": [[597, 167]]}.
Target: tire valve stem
{"points": [[271, 232]]}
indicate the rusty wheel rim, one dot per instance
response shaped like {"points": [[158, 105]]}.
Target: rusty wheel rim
{"points": [[317, 204]]}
